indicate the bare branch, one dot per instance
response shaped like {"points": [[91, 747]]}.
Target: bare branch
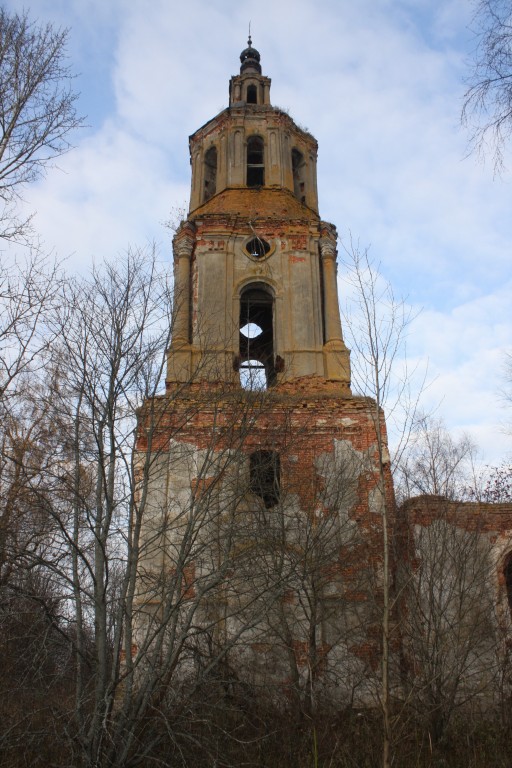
{"points": [[37, 109], [487, 104]]}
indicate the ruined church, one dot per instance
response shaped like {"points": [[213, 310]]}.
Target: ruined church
{"points": [[269, 475]]}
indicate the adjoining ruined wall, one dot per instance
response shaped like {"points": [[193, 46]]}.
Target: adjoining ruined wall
{"points": [[455, 614], [485, 525]]}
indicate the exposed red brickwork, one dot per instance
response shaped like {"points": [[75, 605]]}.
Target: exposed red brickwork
{"points": [[301, 422], [220, 121], [275, 204], [188, 578], [472, 516], [133, 651], [301, 428], [202, 485], [305, 655]]}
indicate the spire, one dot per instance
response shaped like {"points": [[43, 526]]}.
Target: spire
{"points": [[250, 58], [250, 86]]}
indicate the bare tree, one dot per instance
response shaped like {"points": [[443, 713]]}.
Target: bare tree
{"points": [[36, 665], [497, 486], [70, 393], [376, 324], [28, 293], [113, 331], [487, 107], [308, 549], [37, 109], [27, 444], [141, 548], [454, 654], [435, 463], [295, 604]]}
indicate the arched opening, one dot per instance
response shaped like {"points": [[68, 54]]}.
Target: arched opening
{"points": [[255, 162], [299, 175], [210, 173], [264, 473], [257, 365], [507, 572], [252, 94]]}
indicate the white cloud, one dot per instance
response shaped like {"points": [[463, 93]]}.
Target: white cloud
{"points": [[110, 192], [378, 82], [465, 352]]}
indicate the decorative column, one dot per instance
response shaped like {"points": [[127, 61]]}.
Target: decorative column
{"points": [[179, 357], [183, 245], [332, 320], [336, 355]]}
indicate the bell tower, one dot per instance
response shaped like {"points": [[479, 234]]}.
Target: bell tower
{"points": [[255, 267], [264, 482]]}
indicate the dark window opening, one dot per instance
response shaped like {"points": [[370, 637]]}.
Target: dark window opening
{"points": [[264, 471], [257, 364], [507, 571], [299, 174], [210, 173], [252, 94], [257, 248], [255, 162]]}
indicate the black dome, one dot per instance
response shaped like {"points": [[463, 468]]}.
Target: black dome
{"points": [[250, 58]]}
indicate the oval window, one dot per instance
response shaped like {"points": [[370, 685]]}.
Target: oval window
{"points": [[257, 248]]}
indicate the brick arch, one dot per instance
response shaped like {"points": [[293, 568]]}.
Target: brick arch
{"points": [[266, 283]]}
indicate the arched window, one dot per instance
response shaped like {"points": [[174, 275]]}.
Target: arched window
{"points": [[507, 572], [264, 473], [252, 94], [299, 175], [257, 364], [255, 162], [210, 173]]}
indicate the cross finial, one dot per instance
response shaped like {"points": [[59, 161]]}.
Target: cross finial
{"points": [[249, 41]]}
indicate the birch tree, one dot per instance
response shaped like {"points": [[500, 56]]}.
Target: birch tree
{"points": [[376, 324]]}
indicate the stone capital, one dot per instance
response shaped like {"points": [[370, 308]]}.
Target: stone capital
{"points": [[183, 244], [328, 248]]}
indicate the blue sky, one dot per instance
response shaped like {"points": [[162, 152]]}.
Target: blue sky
{"points": [[380, 85]]}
